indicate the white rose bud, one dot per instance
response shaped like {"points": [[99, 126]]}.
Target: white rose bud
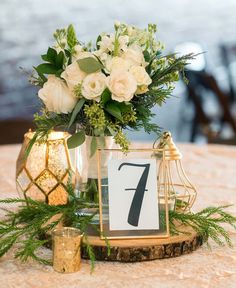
{"points": [[122, 85], [73, 75], [93, 85], [134, 55], [56, 96]]}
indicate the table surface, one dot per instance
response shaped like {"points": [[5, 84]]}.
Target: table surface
{"points": [[211, 168]]}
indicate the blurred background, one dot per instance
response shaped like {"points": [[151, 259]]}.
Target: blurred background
{"points": [[202, 112]]}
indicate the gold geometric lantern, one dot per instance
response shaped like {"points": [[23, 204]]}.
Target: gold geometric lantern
{"points": [[43, 175], [172, 177]]}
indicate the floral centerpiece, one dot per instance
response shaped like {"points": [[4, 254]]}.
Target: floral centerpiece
{"points": [[107, 88]]}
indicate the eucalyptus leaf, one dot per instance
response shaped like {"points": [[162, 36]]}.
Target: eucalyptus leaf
{"points": [[114, 110], [76, 110], [89, 65], [76, 140], [93, 146]]}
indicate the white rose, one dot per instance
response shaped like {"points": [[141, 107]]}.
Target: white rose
{"points": [[134, 55], [56, 96], [122, 84], [73, 75], [117, 63], [93, 85], [140, 75]]}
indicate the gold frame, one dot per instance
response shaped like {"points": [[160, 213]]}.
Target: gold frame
{"points": [[156, 151]]}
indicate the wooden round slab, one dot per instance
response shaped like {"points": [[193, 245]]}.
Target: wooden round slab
{"points": [[134, 250]]}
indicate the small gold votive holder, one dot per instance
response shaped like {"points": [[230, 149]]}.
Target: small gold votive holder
{"points": [[66, 249]]}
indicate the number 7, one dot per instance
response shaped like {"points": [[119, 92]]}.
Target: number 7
{"points": [[135, 208]]}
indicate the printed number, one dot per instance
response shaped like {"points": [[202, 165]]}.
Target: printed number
{"points": [[135, 208]]}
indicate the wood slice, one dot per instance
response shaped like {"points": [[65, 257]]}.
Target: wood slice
{"points": [[135, 250]]}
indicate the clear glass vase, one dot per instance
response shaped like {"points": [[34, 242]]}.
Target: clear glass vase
{"points": [[86, 186]]}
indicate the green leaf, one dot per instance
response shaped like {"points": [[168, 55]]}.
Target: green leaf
{"points": [[46, 68], [147, 56], [44, 57], [71, 36], [76, 140], [93, 146], [40, 74], [60, 60], [76, 110], [112, 109], [89, 65], [124, 106], [106, 96], [51, 55], [98, 40]]}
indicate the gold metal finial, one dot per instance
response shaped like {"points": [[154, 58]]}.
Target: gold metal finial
{"points": [[171, 152]]}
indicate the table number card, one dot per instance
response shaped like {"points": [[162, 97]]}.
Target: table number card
{"points": [[129, 203], [132, 186]]}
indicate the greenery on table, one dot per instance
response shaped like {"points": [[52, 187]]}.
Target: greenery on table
{"points": [[27, 226], [33, 219]]}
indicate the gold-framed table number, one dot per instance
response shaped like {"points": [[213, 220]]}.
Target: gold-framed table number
{"points": [[132, 202]]}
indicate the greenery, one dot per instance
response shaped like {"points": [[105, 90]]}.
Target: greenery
{"points": [[207, 223], [28, 226]]}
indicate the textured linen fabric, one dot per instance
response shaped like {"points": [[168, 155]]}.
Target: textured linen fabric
{"points": [[211, 168]]}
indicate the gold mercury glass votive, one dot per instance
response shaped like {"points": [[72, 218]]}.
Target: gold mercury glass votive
{"points": [[66, 249]]}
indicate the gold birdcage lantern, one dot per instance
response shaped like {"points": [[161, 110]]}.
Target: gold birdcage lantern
{"points": [[43, 175], [172, 178]]}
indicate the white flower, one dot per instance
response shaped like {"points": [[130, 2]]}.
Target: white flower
{"points": [[123, 42], [93, 85], [73, 75], [77, 50], [117, 63], [122, 85], [56, 96], [107, 43], [135, 56], [140, 75]]}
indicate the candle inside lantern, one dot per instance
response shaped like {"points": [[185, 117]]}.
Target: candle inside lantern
{"points": [[66, 249]]}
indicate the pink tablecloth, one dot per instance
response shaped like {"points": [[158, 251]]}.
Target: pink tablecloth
{"points": [[211, 168]]}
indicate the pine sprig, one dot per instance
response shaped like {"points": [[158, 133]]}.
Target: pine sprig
{"points": [[208, 223], [175, 65], [33, 219]]}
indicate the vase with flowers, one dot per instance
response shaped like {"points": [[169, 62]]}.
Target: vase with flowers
{"points": [[97, 92]]}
